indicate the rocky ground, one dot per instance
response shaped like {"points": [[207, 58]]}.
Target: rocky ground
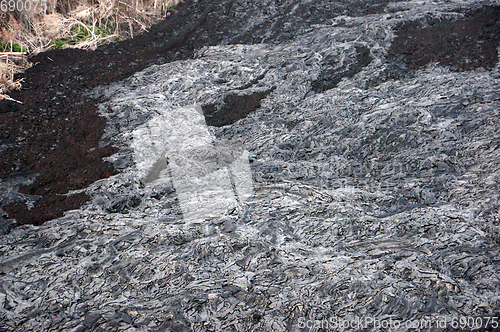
{"points": [[371, 131]]}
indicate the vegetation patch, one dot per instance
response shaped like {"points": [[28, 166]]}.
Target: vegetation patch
{"points": [[58, 24]]}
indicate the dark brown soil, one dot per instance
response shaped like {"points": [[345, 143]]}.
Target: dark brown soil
{"points": [[56, 132], [463, 44], [235, 107]]}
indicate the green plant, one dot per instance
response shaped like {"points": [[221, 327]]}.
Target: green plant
{"points": [[83, 33], [58, 43], [79, 32], [5, 47], [103, 32]]}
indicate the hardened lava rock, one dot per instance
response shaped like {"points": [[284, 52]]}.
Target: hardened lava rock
{"points": [[373, 168]]}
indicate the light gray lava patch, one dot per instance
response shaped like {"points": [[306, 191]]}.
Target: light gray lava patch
{"points": [[177, 146]]}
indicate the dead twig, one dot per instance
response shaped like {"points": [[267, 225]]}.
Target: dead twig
{"points": [[5, 97]]}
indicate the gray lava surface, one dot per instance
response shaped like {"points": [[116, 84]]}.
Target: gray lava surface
{"points": [[375, 170]]}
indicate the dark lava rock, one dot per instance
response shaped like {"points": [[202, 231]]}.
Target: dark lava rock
{"points": [[56, 132], [375, 175], [332, 75]]}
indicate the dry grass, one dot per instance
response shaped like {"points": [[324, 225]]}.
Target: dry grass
{"points": [[70, 23], [36, 30]]}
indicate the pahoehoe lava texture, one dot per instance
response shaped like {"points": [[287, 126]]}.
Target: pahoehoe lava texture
{"points": [[332, 75], [56, 132], [375, 175]]}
